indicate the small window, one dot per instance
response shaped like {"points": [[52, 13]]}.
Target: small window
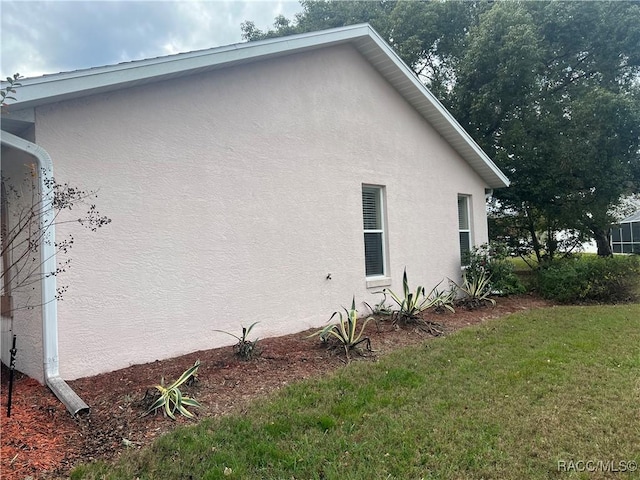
{"points": [[374, 235], [464, 226]]}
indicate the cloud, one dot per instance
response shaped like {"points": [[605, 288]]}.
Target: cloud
{"points": [[51, 37]]}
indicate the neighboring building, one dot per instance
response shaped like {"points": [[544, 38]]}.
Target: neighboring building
{"points": [[625, 236], [267, 181]]}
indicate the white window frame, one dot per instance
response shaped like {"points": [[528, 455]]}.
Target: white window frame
{"points": [[377, 279], [469, 227]]}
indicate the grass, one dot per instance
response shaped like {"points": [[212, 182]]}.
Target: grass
{"points": [[520, 265], [509, 399]]}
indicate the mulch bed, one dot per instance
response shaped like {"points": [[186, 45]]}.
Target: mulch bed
{"points": [[42, 441]]}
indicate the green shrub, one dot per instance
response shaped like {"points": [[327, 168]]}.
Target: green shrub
{"points": [[492, 260], [588, 278]]}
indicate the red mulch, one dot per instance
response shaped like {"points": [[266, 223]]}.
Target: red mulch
{"points": [[42, 441]]}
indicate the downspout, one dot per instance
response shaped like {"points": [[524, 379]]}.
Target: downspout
{"points": [[58, 386]]}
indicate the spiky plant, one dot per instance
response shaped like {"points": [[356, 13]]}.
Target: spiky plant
{"points": [[476, 290], [346, 331], [245, 348], [171, 399]]}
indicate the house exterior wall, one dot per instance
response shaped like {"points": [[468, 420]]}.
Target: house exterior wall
{"points": [[234, 194]]}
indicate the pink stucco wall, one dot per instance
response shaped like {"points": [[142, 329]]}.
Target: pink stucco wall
{"points": [[233, 194]]}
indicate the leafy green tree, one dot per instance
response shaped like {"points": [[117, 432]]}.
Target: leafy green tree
{"points": [[549, 89], [605, 135], [319, 15], [6, 92]]}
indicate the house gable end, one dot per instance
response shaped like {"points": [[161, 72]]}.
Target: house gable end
{"points": [[58, 87]]}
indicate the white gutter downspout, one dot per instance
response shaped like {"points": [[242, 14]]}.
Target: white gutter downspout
{"points": [[52, 378]]}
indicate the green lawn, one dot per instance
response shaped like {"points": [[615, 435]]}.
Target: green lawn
{"points": [[514, 398], [520, 265]]}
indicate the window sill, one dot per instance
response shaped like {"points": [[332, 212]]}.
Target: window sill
{"points": [[373, 282]]}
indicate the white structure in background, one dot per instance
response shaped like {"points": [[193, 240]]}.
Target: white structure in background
{"points": [[625, 236]]}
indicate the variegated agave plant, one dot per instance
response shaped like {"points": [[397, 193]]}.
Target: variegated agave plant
{"points": [[245, 348], [171, 399], [410, 304], [476, 289], [346, 330]]}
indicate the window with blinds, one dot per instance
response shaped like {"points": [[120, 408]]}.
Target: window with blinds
{"points": [[374, 247], [464, 226]]}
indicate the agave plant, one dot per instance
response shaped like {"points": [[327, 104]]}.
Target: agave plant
{"points": [[442, 300], [171, 399], [476, 289], [346, 330], [410, 304], [245, 348]]}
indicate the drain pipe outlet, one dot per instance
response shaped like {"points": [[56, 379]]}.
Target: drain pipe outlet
{"points": [[58, 386]]}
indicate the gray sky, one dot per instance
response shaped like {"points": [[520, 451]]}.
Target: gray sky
{"points": [[58, 36]]}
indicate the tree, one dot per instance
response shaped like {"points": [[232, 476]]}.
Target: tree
{"points": [[6, 93], [604, 134], [550, 90], [428, 35], [319, 15]]}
